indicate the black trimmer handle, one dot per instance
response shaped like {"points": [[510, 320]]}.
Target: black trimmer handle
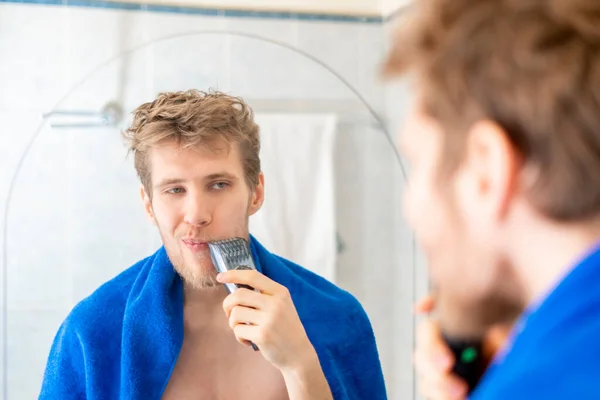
{"points": [[470, 363]]}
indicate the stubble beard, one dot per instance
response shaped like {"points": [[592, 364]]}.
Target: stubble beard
{"points": [[201, 274]]}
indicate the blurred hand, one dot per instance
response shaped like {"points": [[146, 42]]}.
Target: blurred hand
{"points": [[434, 360]]}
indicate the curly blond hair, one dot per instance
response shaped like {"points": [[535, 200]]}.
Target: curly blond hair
{"points": [[194, 118]]}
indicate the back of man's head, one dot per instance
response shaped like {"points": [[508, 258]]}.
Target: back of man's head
{"points": [[531, 66]]}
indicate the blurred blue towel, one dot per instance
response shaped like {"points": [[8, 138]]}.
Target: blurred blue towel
{"points": [[122, 342], [554, 349]]}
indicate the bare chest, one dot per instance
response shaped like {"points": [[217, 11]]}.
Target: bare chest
{"points": [[223, 369]]}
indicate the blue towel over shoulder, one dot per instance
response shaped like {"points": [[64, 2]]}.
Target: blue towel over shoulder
{"points": [[122, 342], [554, 350]]}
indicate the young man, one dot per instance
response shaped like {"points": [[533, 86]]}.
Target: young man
{"points": [[166, 328], [504, 193]]}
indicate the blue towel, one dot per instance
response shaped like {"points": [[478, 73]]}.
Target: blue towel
{"points": [[122, 342], [554, 351]]}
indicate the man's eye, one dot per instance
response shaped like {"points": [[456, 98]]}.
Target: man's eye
{"points": [[220, 185], [176, 190]]}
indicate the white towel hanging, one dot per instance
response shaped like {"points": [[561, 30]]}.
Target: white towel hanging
{"points": [[297, 220]]}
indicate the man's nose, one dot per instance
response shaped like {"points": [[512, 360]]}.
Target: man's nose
{"points": [[198, 211]]}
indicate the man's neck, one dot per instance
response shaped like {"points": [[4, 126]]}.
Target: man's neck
{"points": [[203, 308], [545, 253]]}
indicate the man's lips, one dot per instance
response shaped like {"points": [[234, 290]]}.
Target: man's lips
{"points": [[194, 241], [195, 244]]}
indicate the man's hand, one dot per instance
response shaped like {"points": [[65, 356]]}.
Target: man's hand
{"points": [[268, 318], [434, 360]]}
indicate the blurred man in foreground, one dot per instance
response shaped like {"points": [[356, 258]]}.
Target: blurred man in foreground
{"points": [[504, 193]]}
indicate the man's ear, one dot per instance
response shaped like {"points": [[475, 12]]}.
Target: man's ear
{"points": [[147, 204], [490, 172], [258, 195]]}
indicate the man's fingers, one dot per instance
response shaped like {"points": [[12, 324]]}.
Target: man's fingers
{"points": [[243, 297], [495, 339], [244, 315], [425, 305], [251, 278], [433, 362], [435, 381], [430, 342], [440, 390], [247, 334], [429, 364]]}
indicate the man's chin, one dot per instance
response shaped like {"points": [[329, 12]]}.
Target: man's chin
{"points": [[199, 276], [472, 319], [203, 283], [199, 281]]}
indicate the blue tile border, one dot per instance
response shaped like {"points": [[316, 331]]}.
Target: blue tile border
{"points": [[231, 13]]}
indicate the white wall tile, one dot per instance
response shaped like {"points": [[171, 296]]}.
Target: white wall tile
{"points": [[370, 58], [200, 63], [382, 184], [286, 73], [369, 181], [37, 226], [32, 50], [161, 26], [125, 80], [280, 30], [336, 45], [255, 66], [15, 129], [196, 42], [2, 364], [398, 98], [103, 61], [96, 35], [272, 75], [29, 340], [108, 228]]}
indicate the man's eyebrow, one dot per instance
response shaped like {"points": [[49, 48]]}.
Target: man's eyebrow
{"points": [[169, 181], [220, 175]]}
